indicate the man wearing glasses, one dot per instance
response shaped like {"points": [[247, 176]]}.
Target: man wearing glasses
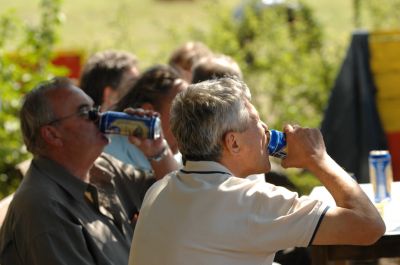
{"points": [[75, 205]]}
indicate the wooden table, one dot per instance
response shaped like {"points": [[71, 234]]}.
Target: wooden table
{"points": [[386, 246]]}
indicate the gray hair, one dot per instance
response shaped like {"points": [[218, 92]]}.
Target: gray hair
{"points": [[205, 112], [37, 111]]}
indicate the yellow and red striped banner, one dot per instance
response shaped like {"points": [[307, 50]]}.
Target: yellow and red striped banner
{"points": [[385, 67]]}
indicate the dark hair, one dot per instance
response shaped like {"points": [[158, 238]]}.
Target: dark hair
{"points": [[104, 69], [151, 87], [214, 67]]}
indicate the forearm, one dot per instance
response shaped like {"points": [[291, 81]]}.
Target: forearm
{"points": [[164, 165], [354, 220], [352, 202], [343, 188]]}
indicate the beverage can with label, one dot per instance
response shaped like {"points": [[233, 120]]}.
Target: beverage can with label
{"points": [[380, 173], [112, 122], [277, 144]]}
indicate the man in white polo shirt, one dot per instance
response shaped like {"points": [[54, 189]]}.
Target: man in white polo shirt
{"points": [[209, 213]]}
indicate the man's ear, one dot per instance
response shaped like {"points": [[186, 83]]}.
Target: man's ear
{"points": [[231, 142], [51, 135], [147, 106]]}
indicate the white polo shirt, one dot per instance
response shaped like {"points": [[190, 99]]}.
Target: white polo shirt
{"points": [[202, 214]]}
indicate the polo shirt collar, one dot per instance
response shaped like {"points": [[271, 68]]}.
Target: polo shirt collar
{"points": [[206, 166], [61, 176], [204, 172]]}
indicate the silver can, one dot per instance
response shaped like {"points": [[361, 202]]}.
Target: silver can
{"points": [[381, 175]]}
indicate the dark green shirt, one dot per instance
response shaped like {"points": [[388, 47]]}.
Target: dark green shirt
{"points": [[55, 218]]}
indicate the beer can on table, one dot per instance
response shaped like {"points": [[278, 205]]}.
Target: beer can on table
{"points": [[277, 144], [380, 173], [112, 122]]}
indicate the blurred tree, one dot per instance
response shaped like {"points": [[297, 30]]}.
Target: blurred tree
{"points": [[286, 61], [284, 56], [25, 54], [380, 14], [356, 13]]}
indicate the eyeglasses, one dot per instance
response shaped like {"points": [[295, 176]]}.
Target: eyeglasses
{"points": [[91, 114]]}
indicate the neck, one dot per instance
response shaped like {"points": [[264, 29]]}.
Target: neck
{"points": [[77, 166], [233, 166]]}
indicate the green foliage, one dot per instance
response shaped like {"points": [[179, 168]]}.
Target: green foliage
{"points": [[285, 59], [287, 63], [379, 14], [25, 60]]}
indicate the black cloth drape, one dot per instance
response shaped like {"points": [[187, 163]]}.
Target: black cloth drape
{"points": [[351, 125]]}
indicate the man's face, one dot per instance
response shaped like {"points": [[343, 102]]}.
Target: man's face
{"points": [[179, 85], [80, 137], [254, 154]]}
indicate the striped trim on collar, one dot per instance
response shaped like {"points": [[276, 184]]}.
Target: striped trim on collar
{"points": [[205, 172]]}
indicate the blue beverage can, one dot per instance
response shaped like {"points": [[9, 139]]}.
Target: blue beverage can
{"points": [[277, 144], [112, 122], [380, 173]]}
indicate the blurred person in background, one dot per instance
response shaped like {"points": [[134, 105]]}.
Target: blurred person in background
{"points": [[154, 90], [215, 66], [186, 55], [106, 78], [105, 74]]}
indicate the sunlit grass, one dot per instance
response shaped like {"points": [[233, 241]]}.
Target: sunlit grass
{"points": [[144, 27]]}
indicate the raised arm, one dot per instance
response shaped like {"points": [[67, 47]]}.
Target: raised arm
{"points": [[157, 151], [354, 220], [159, 154]]}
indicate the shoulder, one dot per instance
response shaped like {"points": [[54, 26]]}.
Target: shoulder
{"points": [[160, 185], [38, 201], [33, 212], [264, 197]]}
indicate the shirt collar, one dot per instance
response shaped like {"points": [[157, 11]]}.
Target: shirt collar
{"points": [[61, 176], [205, 171], [204, 167]]}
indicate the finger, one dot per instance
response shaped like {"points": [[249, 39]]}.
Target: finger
{"points": [[284, 163], [287, 128], [134, 111]]}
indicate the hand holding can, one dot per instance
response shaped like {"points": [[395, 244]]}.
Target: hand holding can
{"points": [[142, 126]]}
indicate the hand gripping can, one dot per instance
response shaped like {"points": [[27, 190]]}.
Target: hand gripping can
{"points": [[277, 144], [112, 122], [380, 173]]}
